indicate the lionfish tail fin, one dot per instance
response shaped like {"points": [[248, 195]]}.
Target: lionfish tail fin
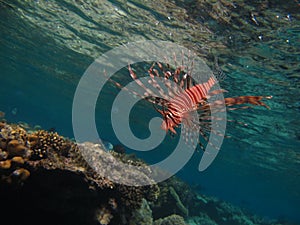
{"points": [[253, 100]]}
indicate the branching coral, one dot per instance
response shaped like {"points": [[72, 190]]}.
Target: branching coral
{"points": [[179, 204]]}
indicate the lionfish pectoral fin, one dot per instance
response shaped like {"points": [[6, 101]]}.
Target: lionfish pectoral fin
{"points": [[132, 74], [215, 92], [172, 131]]}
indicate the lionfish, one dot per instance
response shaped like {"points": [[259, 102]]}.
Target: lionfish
{"points": [[185, 97]]}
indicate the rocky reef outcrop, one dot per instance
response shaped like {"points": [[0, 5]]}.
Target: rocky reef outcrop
{"points": [[44, 178]]}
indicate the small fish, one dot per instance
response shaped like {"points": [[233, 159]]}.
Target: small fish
{"points": [[2, 114], [14, 111], [108, 146]]}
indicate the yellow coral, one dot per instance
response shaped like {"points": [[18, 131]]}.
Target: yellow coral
{"points": [[5, 164]]}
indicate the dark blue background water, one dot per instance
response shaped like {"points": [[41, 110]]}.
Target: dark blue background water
{"points": [[257, 169]]}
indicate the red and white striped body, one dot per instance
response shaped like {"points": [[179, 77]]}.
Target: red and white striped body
{"points": [[185, 102]]}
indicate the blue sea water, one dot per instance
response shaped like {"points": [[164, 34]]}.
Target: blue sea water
{"points": [[46, 46]]}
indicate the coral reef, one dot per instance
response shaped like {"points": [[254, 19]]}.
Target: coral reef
{"points": [[143, 215], [44, 175], [43, 141], [42, 161], [14, 151], [179, 204], [175, 197], [104, 216], [202, 219], [170, 220]]}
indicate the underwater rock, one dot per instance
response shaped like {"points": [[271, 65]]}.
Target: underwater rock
{"points": [[111, 164]]}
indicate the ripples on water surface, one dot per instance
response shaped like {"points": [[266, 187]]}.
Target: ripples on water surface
{"points": [[47, 45]]}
